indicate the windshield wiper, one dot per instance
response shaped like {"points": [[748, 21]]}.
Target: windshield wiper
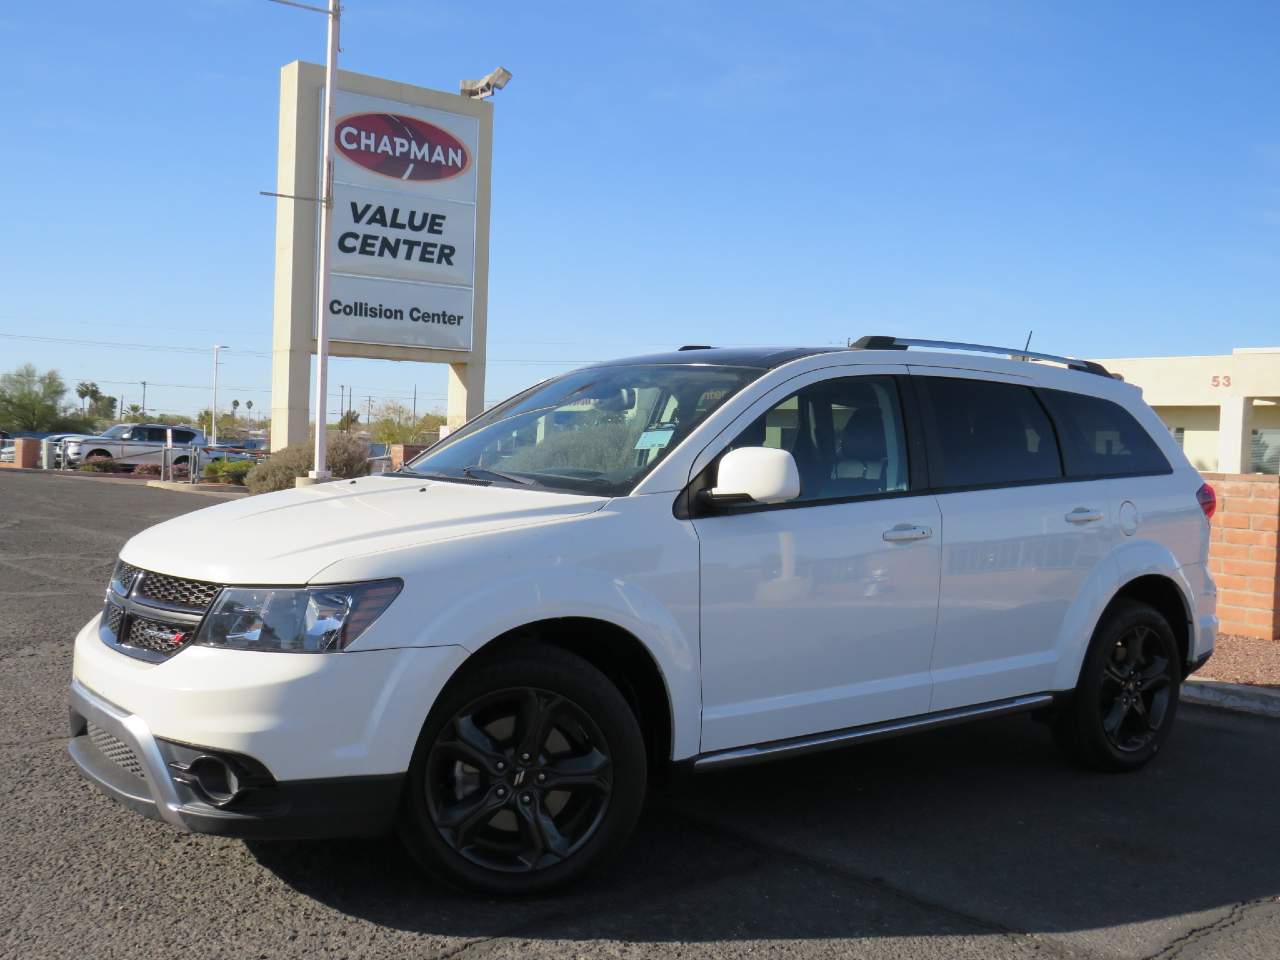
{"points": [[417, 474], [479, 473]]}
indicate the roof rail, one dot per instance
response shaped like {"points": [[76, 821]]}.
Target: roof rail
{"points": [[696, 346], [1013, 353]]}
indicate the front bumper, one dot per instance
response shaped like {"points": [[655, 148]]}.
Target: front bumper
{"points": [[117, 753]]}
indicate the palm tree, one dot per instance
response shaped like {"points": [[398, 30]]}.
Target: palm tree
{"points": [[133, 413], [248, 406], [84, 390], [235, 405]]}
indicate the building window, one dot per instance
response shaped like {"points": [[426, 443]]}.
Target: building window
{"points": [[1266, 451]]}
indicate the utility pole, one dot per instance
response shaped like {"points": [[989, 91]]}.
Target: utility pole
{"points": [[213, 412], [144, 398], [368, 417], [415, 403]]}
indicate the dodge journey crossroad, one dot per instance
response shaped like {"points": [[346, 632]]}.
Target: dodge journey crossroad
{"points": [[709, 557]]}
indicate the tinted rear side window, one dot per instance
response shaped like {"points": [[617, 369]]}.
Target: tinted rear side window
{"points": [[985, 434], [1101, 438]]}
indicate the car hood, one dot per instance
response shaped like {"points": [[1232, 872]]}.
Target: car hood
{"points": [[291, 536]]}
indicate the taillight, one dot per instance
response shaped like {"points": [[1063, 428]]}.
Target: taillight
{"points": [[1207, 499]]}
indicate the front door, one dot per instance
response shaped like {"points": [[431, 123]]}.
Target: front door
{"points": [[818, 614]]}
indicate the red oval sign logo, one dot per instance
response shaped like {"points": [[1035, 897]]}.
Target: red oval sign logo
{"points": [[403, 148]]}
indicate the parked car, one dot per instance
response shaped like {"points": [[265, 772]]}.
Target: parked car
{"points": [[723, 557], [137, 443]]}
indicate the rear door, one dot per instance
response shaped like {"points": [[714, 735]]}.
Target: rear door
{"points": [[1019, 538]]}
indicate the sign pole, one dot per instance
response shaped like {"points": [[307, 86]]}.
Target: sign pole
{"points": [[326, 208]]}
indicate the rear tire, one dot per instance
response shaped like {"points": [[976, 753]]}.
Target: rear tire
{"points": [[1122, 710], [529, 771]]}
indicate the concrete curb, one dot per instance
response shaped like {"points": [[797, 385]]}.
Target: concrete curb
{"points": [[1240, 697], [201, 489]]}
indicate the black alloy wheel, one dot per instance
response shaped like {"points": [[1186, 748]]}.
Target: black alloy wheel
{"points": [[519, 779], [1136, 689], [530, 770], [1123, 708]]}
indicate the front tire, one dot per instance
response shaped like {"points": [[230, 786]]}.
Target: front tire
{"points": [[1123, 708], [529, 771]]}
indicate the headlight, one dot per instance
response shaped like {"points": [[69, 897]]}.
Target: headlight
{"points": [[289, 620]]}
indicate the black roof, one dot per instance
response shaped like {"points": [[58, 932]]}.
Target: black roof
{"points": [[761, 358]]}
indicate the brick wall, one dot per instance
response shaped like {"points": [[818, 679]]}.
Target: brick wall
{"points": [[26, 454], [400, 452], [1243, 553]]}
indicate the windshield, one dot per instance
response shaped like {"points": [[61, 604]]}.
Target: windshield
{"points": [[597, 430], [118, 431]]}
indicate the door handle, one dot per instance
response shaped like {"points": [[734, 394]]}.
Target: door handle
{"points": [[1083, 515], [904, 532]]}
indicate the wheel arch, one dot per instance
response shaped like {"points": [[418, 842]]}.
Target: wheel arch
{"points": [[1162, 593], [617, 653], [1142, 570]]}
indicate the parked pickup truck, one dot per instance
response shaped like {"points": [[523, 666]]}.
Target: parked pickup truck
{"points": [[139, 443]]}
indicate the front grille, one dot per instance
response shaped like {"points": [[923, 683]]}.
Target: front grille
{"points": [[157, 636], [125, 574], [194, 595], [112, 617], [115, 750]]}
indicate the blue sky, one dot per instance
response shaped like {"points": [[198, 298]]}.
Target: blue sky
{"points": [[664, 173]]}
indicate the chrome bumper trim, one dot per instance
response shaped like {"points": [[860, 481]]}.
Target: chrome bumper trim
{"points": [[134, 732]]}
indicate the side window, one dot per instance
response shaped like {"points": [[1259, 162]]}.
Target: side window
{"points": [[846, 436], [183, 436], [986, 433], [150, 434], [1101, 438]]}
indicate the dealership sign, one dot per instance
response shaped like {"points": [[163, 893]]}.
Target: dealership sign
{"points": [[403, 224]]}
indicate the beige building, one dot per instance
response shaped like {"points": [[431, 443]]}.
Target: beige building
{"points": [[1224, 411]]}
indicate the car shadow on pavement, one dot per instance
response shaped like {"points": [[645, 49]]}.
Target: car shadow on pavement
{"points": [[969, 830]]}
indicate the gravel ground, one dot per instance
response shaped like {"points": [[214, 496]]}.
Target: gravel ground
{"points": [[1244, 660], [970, 842]]}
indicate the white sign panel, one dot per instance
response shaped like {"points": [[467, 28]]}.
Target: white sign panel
{"points": [[402, 237], [379, 234], [367, 310]]}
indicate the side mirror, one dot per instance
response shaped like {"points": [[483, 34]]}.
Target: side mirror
{"points": [[759, 474]]}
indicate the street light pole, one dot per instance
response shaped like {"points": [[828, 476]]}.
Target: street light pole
{"points": [[213, 413], [326, 208], [334, 13]]}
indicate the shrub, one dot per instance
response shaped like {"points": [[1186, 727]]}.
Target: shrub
{"points": [[347, 457], [104, 465], [227, 471], [147, 470]]}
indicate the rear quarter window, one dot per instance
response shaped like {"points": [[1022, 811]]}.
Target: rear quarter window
{"points": [[1100, 438]]}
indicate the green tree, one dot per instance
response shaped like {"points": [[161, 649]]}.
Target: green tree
{"points": [[348, 420], [133, 413], [102, 407], [248, 406], [88, 391], [30, 400]]}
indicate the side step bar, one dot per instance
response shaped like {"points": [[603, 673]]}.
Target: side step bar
{"points": [[798, 746]]}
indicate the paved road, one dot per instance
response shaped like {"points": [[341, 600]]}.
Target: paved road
{"points": [[971, 842]]}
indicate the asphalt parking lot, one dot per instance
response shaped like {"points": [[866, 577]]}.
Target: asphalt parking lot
{"points": [[969, 842]]}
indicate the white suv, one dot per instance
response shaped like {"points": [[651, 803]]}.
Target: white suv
{"points": [[712, 557]]}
